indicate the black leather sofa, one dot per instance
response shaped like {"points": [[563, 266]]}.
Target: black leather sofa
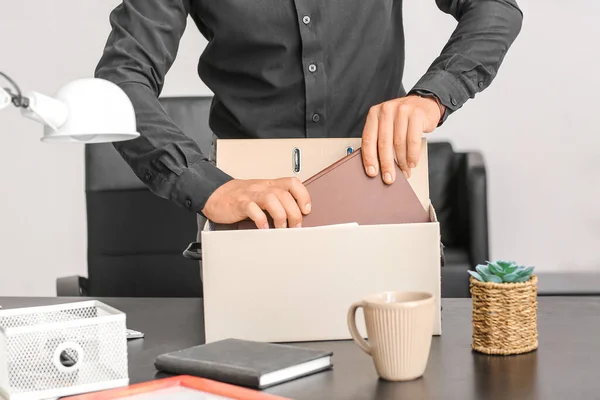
{"points": [[136, 239]]}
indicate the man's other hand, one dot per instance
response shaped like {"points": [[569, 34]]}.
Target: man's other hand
{"points": [[393, 131], [285, 199]]}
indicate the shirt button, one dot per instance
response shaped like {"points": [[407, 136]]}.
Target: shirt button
{"points": [[148, 176], [306, 20], [312, 67], [188, 203], [454, 102], [480, 84], [316, 117]]}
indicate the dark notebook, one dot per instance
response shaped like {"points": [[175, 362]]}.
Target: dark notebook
{"points": [[344, 193], [245, 363]]}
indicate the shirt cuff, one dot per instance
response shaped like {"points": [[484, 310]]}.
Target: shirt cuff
{"points": [[197, 183], [446, 88]]}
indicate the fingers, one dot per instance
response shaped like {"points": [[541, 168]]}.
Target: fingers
{"points": [[271, 203], [294, 216], [385, 139], [257, 215], [369, 142], [413, 140], [282, 200], [400, 127], [298, 191]]}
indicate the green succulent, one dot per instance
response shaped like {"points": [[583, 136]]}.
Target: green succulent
{"points": [[502, 271]]}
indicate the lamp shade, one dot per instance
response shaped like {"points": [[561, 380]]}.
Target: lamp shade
{"points": [[96, 110]]}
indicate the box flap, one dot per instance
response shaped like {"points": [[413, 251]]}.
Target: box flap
{"points": [[302, 158]]}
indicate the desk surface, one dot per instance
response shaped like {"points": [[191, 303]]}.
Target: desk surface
{"points": [[566, 365]]}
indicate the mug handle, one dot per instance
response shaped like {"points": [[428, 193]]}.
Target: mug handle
{"points": [[362, 343]]}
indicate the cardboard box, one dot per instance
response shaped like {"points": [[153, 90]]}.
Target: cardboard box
{"points": [[286, 285]]}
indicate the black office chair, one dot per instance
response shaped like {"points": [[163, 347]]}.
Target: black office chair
{"points": [[458, 192], [135, 238]]}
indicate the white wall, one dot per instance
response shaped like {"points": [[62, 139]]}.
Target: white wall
{"points": [[543, 105], [537, 128]]}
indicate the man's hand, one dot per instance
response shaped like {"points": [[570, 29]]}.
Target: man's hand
{"points": [[285, 200], [393, 130]]}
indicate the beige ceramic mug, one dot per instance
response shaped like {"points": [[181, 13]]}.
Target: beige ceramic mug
{"points": [[399, 331]]}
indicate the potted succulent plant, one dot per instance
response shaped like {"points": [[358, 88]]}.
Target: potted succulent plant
{"points": [[504, 296]]}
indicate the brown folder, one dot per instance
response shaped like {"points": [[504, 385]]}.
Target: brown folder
{"points": [[344, 193]]}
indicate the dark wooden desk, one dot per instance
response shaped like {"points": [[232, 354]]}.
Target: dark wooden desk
{"points": [[566, 366]]}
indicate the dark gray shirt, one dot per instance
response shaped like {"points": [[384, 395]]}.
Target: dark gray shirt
{"points": [[283, 68]]}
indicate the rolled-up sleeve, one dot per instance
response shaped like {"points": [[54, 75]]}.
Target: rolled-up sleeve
{"points": [[470, 60], [140, 50]]}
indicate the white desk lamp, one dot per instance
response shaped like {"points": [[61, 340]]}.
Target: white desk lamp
{"points": [[88, 110]]}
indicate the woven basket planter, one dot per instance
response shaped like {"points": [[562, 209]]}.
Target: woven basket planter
{"points": [[504, 316]]}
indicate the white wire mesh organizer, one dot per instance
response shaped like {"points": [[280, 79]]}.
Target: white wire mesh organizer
{"points": [[61, 350]]}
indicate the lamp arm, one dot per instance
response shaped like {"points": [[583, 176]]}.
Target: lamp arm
{"points": [[36, 106], [46, 110], [12, 96]]}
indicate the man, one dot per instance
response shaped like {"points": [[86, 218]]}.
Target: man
{"points": [[294, 69]]}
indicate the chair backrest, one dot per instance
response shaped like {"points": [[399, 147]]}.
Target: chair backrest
{"points": [[444, 164], [135, 238]]}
